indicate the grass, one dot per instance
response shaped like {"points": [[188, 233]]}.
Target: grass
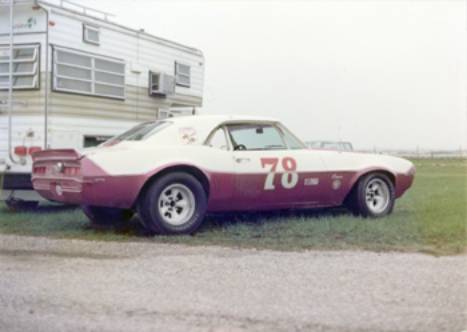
{"points": [[431, 217]]}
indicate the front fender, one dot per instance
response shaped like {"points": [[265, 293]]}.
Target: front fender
{"points": [[401, 181]]}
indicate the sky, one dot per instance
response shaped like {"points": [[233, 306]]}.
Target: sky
{"points": [[381, 74]]}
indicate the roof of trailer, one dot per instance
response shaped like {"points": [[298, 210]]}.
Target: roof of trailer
{"points": [[141, 32]]}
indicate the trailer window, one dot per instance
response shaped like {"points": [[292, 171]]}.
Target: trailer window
{"points": [[91, 141], [25, 67], [89, 74], [182, 75], [91, 34]]}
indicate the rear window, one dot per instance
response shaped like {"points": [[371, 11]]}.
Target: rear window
{"points": [[140, 132]]}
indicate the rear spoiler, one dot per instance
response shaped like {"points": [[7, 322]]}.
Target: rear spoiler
{"points": [[59, 154]]}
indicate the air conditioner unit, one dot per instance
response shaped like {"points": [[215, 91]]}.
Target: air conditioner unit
{"points": [[161, 84]]}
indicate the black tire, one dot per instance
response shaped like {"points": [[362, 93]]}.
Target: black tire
{"points": [[104, 216], [360, 200], [149, 209], [17, 205]]}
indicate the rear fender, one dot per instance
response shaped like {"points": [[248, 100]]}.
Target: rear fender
{"points": [[203, 176]]}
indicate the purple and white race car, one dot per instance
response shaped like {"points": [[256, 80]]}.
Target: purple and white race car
{"points": [[172, 172]]}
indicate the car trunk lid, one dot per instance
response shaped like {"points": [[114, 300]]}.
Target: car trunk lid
{"points": [[57, 163]]}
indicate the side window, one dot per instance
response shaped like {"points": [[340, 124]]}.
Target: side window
{"points": [[91, 34], [182, 75], [292, 142], [25, 67], [88, 74], [256, 137], [218, 140]]}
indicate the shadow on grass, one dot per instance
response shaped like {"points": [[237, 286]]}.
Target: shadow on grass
{"points": [[226, 221], [63, 220], [41, 209], [279, 216]]}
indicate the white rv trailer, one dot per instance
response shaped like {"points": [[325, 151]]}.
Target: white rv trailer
{"points": [[79, 78]]}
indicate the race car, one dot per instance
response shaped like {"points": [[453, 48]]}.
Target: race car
{"points": [[172, 172]]}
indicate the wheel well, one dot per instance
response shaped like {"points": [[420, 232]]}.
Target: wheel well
{"points": [[391, 177], [198, 174]]}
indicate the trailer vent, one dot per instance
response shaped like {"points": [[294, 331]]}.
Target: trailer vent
{"points": [[161, 84]]}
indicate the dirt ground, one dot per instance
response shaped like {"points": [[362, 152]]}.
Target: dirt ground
{"points": [[75, 285]]}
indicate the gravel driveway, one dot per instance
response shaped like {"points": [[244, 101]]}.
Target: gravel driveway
{"points": [[73, 285]]}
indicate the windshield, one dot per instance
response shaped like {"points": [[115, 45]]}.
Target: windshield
{"points": [[139, 133]]}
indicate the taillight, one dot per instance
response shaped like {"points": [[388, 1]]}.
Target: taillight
{"points": [[39, 170], [71, 171], [21, 151]]}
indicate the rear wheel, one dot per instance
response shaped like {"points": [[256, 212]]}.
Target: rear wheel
{"points": [[174, 204], [103, 216], [373, 196], [18, 205]]}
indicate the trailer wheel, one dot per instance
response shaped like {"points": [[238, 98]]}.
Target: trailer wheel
{"points": [[103, 216], [176, 203], [17, 205]]}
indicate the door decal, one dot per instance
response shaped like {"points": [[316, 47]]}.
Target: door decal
{"points": [[289, 178]]}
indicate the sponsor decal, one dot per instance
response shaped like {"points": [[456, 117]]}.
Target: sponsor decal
{"points": [[336, 181], [59, 190], [289, 178], [188, 135], [30, 22], [336, 184], [311, 181]]}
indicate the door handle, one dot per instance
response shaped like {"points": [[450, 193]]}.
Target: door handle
{"points": [[242, 160]]}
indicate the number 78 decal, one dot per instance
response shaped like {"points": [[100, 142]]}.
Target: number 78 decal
{"points": [[289, 178]]}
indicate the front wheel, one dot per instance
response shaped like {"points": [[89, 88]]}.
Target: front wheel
{"points": [[176, 203], [104, 216], [373, 196]]}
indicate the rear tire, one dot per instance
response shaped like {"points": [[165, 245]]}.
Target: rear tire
{"points": [[17, 205], [104, 216], [176, 203], [373, 196]]}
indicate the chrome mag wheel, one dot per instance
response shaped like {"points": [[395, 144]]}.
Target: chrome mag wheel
{"points": [[176, 204], [377, 195]]}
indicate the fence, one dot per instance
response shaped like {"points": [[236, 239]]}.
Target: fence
{"points": [[433, 154]]}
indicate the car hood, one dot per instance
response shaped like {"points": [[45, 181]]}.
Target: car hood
{"points": [[363, 160]]}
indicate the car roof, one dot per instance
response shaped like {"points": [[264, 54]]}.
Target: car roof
{"points": [[202, 125], [210, 119]]}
